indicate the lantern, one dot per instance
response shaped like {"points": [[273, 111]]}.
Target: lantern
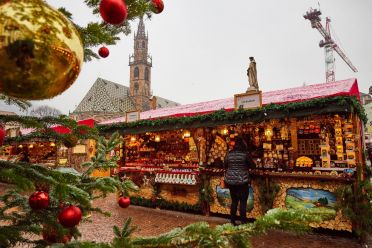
{"points": [[225, 131], [269, 133], [186, 134]]}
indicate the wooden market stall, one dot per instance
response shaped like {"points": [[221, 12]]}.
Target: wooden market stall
{"points": [[43, 150], [305, 142]]}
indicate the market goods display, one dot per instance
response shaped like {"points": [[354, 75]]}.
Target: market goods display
{"points": [[218, 150], [41, 53]]}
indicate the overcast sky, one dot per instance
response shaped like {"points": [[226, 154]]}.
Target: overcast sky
{"points": [[200, 48]]}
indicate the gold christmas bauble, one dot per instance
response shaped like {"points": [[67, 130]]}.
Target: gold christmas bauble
{"points": [[41, 51]]}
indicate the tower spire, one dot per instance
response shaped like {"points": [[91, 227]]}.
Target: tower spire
{"points": [[141, 29]]}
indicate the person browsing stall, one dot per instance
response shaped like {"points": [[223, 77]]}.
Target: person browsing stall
{"points": [[236, 163]]}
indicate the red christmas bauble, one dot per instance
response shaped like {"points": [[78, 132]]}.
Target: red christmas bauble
{"points": [[158, 6], [2, 135], [113, 11], [104, 52], [39, 200], [50, 235], [70, 140], [124, 202], [70, 216]]}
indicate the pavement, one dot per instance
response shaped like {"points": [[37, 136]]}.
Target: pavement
{"points": [[151, 222]]}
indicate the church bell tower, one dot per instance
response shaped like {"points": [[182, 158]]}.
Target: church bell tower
{"points": [[140, 70]]}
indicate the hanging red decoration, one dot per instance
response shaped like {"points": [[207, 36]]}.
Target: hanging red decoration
{"points": [[70, 216], [124, 202], [158, 6], [113, 11], [70, 140], [50, 235], [2, 135], [39, 200], [104, 52]]}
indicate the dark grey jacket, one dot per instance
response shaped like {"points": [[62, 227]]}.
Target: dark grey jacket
{"points": [[236, 164]]}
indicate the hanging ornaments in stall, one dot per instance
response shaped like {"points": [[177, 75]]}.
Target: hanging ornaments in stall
{"points": [[41, 53], [124, 202], [104, 52], [70, 216], [113, 11], [2, 135], [39, 200], [158, 6]]}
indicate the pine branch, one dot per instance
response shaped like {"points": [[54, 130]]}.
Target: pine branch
{"points": [[99, 33], [21, 104]]}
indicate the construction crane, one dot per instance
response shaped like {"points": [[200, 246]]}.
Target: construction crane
{"points": [[313, 15]]}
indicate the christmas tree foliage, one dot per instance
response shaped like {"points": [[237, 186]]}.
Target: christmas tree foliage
{"points": [[22, 214]]}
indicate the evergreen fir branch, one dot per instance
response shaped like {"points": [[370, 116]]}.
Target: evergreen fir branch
{"points": [[99, 33], [65, 12], [355, 202], [20, 103]]}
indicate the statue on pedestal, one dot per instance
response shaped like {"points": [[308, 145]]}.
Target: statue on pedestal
{"points": [[252, 76]]}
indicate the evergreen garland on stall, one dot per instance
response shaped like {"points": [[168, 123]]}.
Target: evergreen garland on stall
{"points": [[313, 107]]}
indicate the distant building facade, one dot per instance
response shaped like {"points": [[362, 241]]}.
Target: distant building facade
{"points": [[366, 98], [106, 99]]}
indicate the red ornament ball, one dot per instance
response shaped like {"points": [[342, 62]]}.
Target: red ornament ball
{"points": [[51, 236], [104, 52], [113, 11], [158, 6], [39, 200], [124, 202], [2, 135], [70, 216]]}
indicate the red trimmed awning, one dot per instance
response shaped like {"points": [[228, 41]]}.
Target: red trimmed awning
{"points": [[348, 87], [65, 130]]}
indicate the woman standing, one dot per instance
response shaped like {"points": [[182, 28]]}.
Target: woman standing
{"points": [[237, 162]]}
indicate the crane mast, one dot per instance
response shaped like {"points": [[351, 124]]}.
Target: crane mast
{"points": [[313, 15]]}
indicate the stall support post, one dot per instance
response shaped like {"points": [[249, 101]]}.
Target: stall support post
{"points": [[360, 144]]}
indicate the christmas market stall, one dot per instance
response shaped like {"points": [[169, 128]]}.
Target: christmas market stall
{"points": [[306, 143], [42, 148]]}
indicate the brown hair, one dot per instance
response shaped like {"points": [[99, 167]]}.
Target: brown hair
{"points": [[240, 145]]}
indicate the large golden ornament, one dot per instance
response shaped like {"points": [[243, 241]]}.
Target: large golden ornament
{"points": [[41, 52]]}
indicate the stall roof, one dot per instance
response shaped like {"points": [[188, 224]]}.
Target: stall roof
{"points": [[348, 87], [61, 129]]}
